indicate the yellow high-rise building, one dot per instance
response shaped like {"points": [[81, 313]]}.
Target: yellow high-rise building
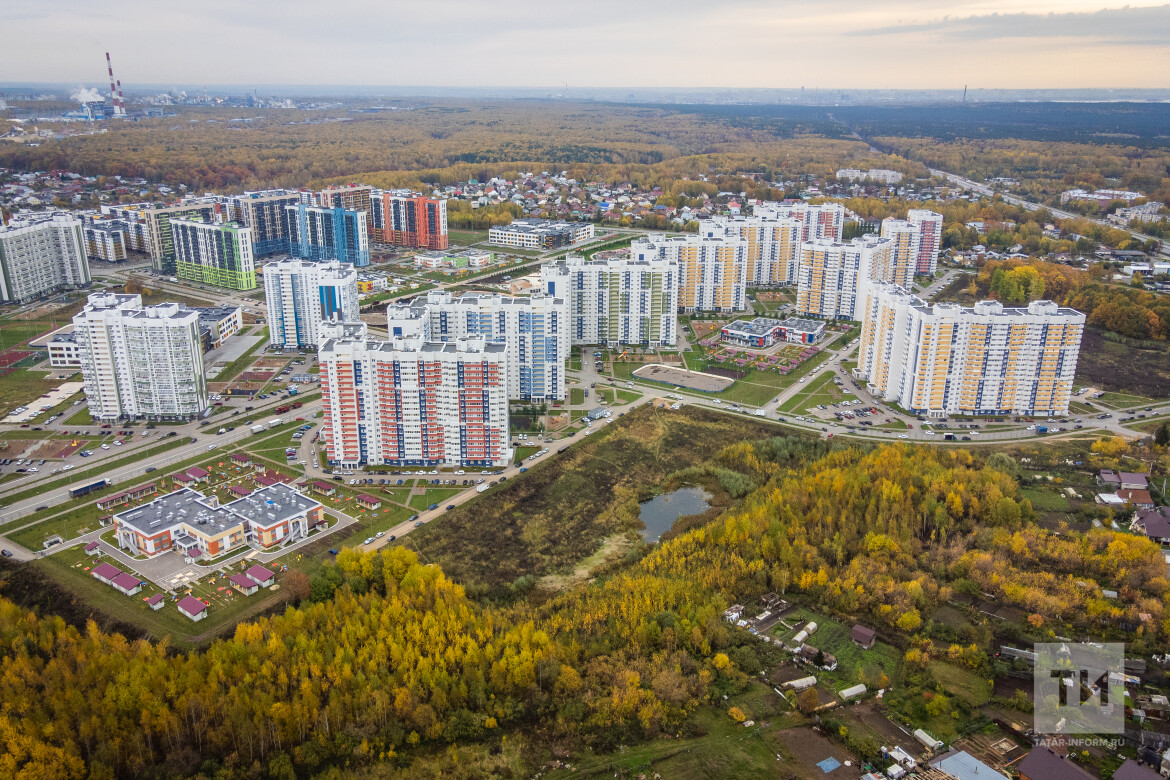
{"points": [[949, 359], [712, 269]]}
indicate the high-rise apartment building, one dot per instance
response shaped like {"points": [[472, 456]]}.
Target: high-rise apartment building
{"points": [[712, 270], [920, 235], [906, 240], [41, 255], [405, 218], [316, 233], [821, 220], [773, 244], [214, 253], [833, 277], [534, 329], [263, 212], [617, 301], [986, 359], [412, 402], [140, 362], [352, 197], [301, 295], [157, 220], [105, 239]]}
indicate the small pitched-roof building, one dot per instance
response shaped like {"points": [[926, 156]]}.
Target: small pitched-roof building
{"points": [[192, 608], [1134, 480], [1043, 763], [127, 583], [322, 488], [156, 601], [1154, 524], [261, 575], [1137, 498], [244, 584], [863, 637], [240, 490], [961, 765], [1132, 770], [93, 548], [105, 572], [197, 474], [368, 501]]}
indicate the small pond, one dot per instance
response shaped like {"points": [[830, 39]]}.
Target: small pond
{"points": [[660, 512]]}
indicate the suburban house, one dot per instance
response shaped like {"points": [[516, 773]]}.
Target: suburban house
{"points": [[1138, 498], [1154, 524], [808, 654], [244, 584], [1134, 480], [863, 637], [196, 525], [963, 765], [1132, 770], [1042, 763], [193, 608], [240, 490]]}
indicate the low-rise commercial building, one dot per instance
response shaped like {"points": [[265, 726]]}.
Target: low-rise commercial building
{"points": [[763, 332]]}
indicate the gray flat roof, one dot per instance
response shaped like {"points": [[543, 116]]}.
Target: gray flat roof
{"points": [[761, 325], [266, 506], [272, 504]]}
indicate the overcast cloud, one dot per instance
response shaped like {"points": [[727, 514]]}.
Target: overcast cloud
{"points": [[604, 43]]}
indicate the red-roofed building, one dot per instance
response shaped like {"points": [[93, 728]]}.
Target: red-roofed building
{"points": [[263, 481], [197, 474], [368, 501], [240, 457], [106, 572], [261, 575], [322, 488], [193, 608], [244, 584], [112, 501], [127, 583], [93, 548], [156, 601], [240, 490], [1138, 498], [182, 478]]}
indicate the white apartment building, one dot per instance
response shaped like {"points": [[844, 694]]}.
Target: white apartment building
{"points": [[883, 175], [617, 301], [140, 362], [302, 294], [822, 220], [987, 359], [534, 330], [412, 402], [712, 270], [40, 255], [833, 277], [773, 244], [106, 240]]}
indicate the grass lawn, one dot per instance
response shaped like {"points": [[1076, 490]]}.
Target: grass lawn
{"points": [[1075, 407], [961, 683], [369, 523], [575, 364], [1150, 424], [1122, 400], [819, 391], [23, 387], [16, 332], [576, 396], [1045, 500], [524, 451], [759, 387], [433, 496], [467, 237]]}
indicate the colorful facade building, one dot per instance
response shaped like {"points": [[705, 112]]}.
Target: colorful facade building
{"points": [[219, 254], [712, 270], [405, 218]]}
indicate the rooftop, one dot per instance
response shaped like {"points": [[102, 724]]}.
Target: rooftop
{"points": [[265, 507]]}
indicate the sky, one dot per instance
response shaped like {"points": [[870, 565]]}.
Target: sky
{"points": [[862, 44]]}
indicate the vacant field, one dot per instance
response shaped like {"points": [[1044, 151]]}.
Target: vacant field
{"points": [[21, 388], [1045, 500], [962, 683], [561, 510], [1109, 365], [853, 662], [14, 332]]}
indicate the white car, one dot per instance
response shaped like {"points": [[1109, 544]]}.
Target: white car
{"points": [[211, 446], [903, 436], [929, 433], [67, 466], [105, 446]]}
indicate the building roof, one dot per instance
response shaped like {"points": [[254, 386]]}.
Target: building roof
{"points": [[243, 581], [961, 765], [197, 472], [241, 457], [192, 605], [368, 499], [863, 634], [321, 485], [1154, 522], [261, 574], [106, 571], [1043, 764], [156, 598], [92, 546], [1134, 478], [1132, 770], [265, 507], [1132, 496], [1107, 475], [126, 581], [240, 490]]}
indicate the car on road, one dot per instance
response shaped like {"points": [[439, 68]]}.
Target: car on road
{"points": [[105, 446], [380, 534], [211, 446], [418, 524], [903, 436], [433, 506], [67, 467], [369, 540], [391, 538], [6, 553], [523, 469], [412, 518]]}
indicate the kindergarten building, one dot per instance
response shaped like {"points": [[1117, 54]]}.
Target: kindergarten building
{"points": [[195, 525]]}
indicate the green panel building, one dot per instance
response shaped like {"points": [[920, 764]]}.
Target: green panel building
{"points": [[217, 254]]}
